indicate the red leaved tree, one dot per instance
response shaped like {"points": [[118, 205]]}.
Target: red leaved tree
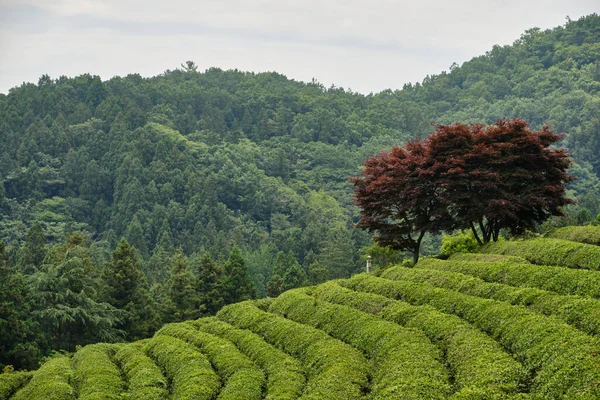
{"points": [[396, 201], [504, 176]]}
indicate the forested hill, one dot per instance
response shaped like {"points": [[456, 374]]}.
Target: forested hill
{"points": [[217, 160]]}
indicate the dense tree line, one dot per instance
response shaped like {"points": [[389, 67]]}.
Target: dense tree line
{"points": [[192, 163]]}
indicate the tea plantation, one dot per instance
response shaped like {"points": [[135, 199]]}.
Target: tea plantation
{"points": [[520, 320]]}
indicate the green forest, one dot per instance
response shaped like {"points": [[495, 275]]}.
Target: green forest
{"points": [[133, 202]]}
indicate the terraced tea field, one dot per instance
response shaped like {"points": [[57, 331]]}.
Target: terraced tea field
{"points": [[492, 325]]}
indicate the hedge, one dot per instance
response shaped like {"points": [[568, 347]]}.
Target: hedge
{"points": [[476, 361], [12, 381], [336, 370], [589, 234], [285, 378], [95, 376], [483, 257], [565, 362], [145, 380], [242, 378], [405, 364], [582, 313], [191, 375], [50, 382], [556, 279], [545, 251]]}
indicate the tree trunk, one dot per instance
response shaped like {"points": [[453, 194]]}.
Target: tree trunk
{"points": [[475, 233], [417, 248]]}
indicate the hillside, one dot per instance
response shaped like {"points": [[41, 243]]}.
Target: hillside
{"points": [[229, 185], [475, 326]]}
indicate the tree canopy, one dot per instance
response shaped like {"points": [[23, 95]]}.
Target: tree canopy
{"points": [[503, 176]]}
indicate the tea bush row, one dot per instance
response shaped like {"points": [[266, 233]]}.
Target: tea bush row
{"points": [[191, 374], [583, 313], [564, 361], [336, 370], [285, 378], [144, 378], [242, 379], [545, 251], [478, 363], [50, 382], [12, 381], [405, 364], [589, 234], [565, 281], [95, 376]]}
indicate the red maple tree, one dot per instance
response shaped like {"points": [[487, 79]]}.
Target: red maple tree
{"points": [[503, 176]]}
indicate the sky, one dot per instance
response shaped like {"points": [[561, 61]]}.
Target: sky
{"points": [[362, 45]]}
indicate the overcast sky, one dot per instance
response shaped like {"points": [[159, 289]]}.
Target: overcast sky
{"points": [[366, 46]]}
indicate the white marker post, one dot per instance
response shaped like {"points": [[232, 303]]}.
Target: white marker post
{"points": [[368, 264]]}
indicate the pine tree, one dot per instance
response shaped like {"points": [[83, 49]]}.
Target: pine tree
{"points": [[127, 289], [67, 302], [181, 289], [33, 251], [208, 278], [16, 345], [236, 285]]}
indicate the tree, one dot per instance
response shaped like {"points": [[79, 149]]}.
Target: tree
{"points": [[33, 250], [181, 289], [127, 289], [396, 202], [208, 277], [235, 283], [18, 346], [504, 176], [66, 299]]}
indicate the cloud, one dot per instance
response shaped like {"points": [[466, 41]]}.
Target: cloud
{"points": [[366, 45]]}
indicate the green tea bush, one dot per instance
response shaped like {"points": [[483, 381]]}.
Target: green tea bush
{"points": [[191, 374], [565, 362], [12, 381], [589, 234], [582, 313], [336, 370], [242, 378], [405, 363], [50, 382], [565, 281], [489, 257], [95, 376], [285, 378], [545, 251], [461, 242], [145, 380], [475, 359]]}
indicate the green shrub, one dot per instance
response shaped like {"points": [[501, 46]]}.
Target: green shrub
{"points": [[191, 375], [11, 381], [565, 362], [584, 234], [582, 313], [242, 378], [405, 363], [461, 242], [146, 381], [95, 376], [285, 378], [336, 370], [482, 257], [50, 382], [557, 279], [545, 251], [475, 359]]}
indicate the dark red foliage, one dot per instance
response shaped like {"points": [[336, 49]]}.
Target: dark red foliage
{"points": [[504, 176]]}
